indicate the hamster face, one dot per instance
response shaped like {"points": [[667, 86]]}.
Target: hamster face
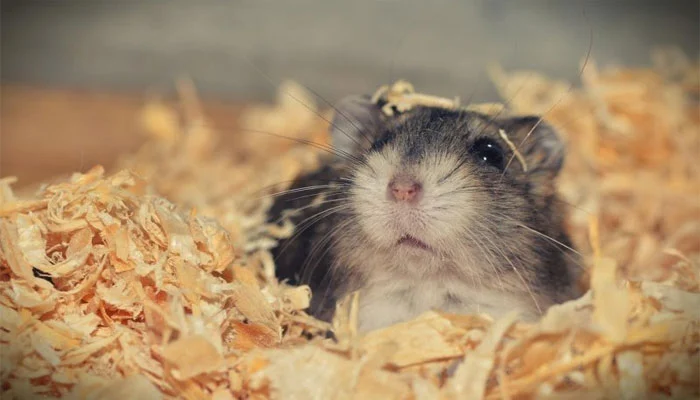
{"points": [[441, 193], [433, 186]]}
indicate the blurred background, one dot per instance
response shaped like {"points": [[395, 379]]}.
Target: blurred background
{"points": [[75, 74]]}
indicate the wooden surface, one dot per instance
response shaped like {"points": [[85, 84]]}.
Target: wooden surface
{"points": [[50, 132]]}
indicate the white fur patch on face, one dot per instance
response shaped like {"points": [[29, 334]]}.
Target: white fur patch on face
{"points": [[440, 219]]}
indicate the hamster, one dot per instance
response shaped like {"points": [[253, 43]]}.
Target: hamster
{"points": [[429, 209]]}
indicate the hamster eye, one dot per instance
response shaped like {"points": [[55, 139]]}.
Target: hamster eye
{"points": [[488, 152]]}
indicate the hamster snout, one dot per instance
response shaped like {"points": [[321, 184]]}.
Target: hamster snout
{"points": [[405, 188], [416, 204]]}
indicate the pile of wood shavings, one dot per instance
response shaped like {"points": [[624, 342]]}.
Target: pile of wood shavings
{"points": [[633, 140], [150, 299], [102, 282]]}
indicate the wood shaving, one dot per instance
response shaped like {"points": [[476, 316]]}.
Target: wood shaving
{"points": [[401, 96], [514, 149], [155, 280]]}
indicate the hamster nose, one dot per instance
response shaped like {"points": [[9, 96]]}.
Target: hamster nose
{"points": [[405, 190]]}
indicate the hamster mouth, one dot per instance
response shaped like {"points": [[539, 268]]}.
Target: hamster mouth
{"points": [[411, 241]]}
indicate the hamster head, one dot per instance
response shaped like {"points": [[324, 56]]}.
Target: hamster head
{"points": [[438, 189]]}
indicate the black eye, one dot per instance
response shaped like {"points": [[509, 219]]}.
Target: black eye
{"points": [[488, 152]]}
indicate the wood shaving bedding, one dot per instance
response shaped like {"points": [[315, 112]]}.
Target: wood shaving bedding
{"points": [[155, 280]]}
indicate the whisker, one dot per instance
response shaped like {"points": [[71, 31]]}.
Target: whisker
{"points": [[306, 207], [297, 190], [276, 85], [327, 275], [520, 276], [347, 197], [477, 189], [551, 239], [328, 148], [308, 273], [570, 88], [342, 114], [310, 221], [488, 254]]}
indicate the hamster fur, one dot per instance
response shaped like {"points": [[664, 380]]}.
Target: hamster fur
{"points": [[430, 210]]}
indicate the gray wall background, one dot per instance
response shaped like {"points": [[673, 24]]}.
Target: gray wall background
{"points": [[335, 47]]}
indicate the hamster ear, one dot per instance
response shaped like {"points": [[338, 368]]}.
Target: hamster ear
{"points": [[538, 142], [355, 124]]}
